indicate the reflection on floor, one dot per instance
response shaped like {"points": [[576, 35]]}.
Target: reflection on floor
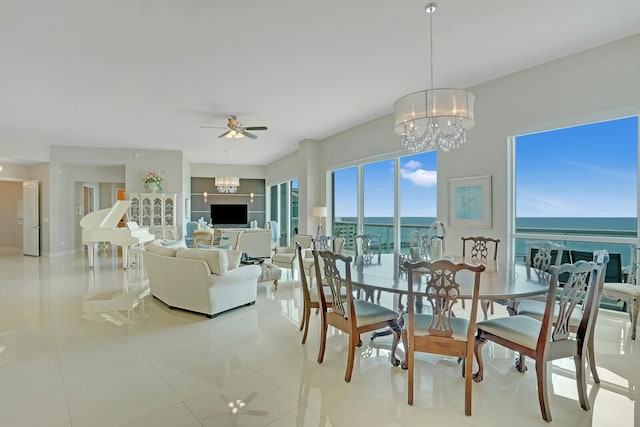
{"points": [[93, 348]]}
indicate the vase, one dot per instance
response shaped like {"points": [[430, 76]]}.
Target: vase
{"points": [[152, 187]]}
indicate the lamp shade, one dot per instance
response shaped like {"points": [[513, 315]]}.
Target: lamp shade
{"points": [[319, 211], [417, 108]]}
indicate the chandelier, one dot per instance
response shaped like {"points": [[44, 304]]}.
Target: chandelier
{"points": [[434, 118], [227, 184]]}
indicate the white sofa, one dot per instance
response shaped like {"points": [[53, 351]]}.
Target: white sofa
{"points": [[204, 281]]}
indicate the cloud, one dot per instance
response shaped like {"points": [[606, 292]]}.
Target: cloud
{"points": [[419, 177], [412, 165]]}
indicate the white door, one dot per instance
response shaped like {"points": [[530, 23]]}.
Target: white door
{"points": [[31, 224]]}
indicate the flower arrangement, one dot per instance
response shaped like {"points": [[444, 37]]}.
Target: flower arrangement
{"points": [[153, 180]]}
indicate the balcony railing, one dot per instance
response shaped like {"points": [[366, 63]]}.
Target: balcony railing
{"points": [[349, 229]]}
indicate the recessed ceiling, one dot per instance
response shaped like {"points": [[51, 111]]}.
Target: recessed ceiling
{"points": [[147, 74]]}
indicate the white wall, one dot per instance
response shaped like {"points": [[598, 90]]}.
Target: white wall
{"points": [[205, 170]]}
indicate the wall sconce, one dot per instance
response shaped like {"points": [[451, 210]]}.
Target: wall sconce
{"points": [[250, 197], [205, 196], [1, 168]]}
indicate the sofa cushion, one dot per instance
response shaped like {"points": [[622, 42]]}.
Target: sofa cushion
{"points": [[215, 259], [234, 258], [161, 250]]}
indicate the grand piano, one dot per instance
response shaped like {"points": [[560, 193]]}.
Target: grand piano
{"points": [[101, 226]]}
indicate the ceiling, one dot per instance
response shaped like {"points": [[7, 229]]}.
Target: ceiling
{"points": [[147, 73]]}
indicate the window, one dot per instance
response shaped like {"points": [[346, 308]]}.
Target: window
{"points": [[578, 186], [416, 200], [283, 208], [345, 205], [418, 191]]}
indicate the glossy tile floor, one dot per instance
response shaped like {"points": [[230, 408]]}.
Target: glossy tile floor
{"points": [[81, 348]]}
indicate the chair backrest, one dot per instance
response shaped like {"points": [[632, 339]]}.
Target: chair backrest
{"points": [[480, 247], [542, 255], [366, 244], [442, 291], [202, 238], [341, 301], [338, 244], [256, 244], [230, 238], [303, 240], [191, 227], [583, 284], [303, 277]]}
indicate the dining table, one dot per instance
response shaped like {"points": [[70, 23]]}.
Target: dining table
{"points": [[506, 282]]}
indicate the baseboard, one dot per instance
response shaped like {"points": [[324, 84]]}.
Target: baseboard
{"points": [[10, 250]]}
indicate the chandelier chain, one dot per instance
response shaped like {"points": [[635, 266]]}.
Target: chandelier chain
{"points": [[431, 47]]}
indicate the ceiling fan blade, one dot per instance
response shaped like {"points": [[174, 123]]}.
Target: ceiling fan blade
{"points": [[256, 412], [256, 128], [212, 127], [248, 135], [224, 134]]}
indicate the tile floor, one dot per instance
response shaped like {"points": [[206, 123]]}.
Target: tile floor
{"points": [[81, 348]]}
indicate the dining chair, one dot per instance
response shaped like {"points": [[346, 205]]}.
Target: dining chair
{"points": [[202, 238], [542, 255], [366, 247], [480, 250], [629, 291], [310, 297], [542, 341], [342, 311], [535, 309], [285, 256], [440, 332]]}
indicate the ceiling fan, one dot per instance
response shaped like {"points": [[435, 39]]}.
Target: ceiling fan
{"points": [[236, 130]]}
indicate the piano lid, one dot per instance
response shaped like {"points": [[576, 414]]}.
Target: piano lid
{"points": [[106, 218]]}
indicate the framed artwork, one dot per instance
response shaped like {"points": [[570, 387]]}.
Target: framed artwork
{"points": [[470, 201]]}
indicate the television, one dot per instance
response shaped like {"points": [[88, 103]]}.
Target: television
{"points": [[229, 214]]}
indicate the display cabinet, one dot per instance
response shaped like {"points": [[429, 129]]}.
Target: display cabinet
{"points": [[155, 211]]}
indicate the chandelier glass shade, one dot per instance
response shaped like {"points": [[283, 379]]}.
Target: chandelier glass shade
{"points": [[227, 184], [434, 118]]}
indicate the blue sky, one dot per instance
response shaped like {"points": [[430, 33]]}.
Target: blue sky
{"points": [[583, 171]]}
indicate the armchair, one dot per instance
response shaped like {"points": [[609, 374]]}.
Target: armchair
{"points": [[285, 256]]}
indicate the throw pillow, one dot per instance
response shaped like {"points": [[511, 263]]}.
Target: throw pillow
{"points": [[215, 259]]}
